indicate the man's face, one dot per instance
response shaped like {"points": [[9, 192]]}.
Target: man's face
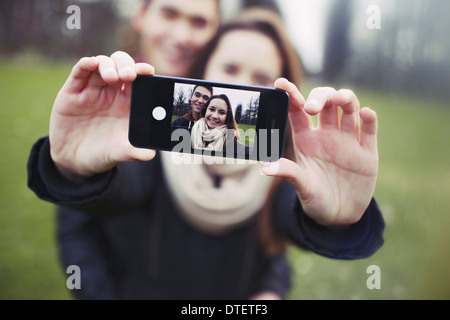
{"points": [[173, 31], [199, 98]]}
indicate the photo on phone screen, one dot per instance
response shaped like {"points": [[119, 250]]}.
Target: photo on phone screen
{"points": [[222, 115]]}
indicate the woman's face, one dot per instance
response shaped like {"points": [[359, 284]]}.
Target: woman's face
{"points": [[216, 114], [245, 57]]}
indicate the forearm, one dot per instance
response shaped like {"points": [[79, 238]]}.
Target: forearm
{"points": [[111, 191]]}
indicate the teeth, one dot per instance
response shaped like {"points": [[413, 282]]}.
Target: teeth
{"points": [[176, 56], [176, 52]]}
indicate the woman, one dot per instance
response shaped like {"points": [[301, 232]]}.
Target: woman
{"points": [[251, 50], [212, 131], [227, 56], [215, 231]]}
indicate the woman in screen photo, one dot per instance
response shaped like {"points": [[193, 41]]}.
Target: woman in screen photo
{"points": [[217, 126]]}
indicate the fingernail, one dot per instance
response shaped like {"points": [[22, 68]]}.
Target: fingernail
{"points": [[265, 164], [127, 70], [312, 103], [270, 168]]}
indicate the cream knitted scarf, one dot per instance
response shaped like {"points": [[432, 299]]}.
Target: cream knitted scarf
{"points": [[210, 139], [210, 207]]}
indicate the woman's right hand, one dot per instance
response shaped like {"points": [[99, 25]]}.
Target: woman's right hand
{"points": [[89, 121]]}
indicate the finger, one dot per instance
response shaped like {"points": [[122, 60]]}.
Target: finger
{"points": [[329, 116], [288, 170], [297, 115], [139, 155], [318, 99], [80, 74], [108, 70], [128, 153], [144, 69], [349, 103], [141, 69], [125, 65], [369, 129], [95, 80]]}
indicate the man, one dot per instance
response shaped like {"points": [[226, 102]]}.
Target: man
{"points": [[173, 31], [199, 97]]}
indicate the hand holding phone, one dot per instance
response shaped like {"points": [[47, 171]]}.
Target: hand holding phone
{"points": [[336, 161], [208, 118], [89, 120]]}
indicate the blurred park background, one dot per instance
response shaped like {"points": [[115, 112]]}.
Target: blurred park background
{"points": [[394, 54]]}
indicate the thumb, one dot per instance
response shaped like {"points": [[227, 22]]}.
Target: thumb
{"points": [[288, 170], [144, 155]]}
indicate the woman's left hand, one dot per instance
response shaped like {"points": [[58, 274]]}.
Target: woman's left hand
{"points": [[336, 162]]}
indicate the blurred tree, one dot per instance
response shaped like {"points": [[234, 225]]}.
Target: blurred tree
{"points": [[337, 40], [181, 103], [238, 113], [409, 54], [41, 26], [423, 35], [251, 112]]}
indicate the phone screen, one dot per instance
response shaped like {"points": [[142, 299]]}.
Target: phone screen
{"points": [[196, 116], [232, 111]]}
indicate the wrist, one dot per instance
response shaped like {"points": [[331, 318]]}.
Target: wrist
{"points": [[71, 175]]}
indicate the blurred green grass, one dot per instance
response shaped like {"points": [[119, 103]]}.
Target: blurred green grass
{"points": [[28, 257], [412, 191], [248, 133]]}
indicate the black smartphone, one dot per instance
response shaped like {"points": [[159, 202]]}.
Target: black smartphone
{"points": [[209, 118]]}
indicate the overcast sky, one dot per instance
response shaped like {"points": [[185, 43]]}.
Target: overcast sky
{"points": [[305, 20]]}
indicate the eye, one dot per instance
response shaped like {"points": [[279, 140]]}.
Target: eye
{"points": [[198, 23], [262, 80], [230, 69], [169, 13]]}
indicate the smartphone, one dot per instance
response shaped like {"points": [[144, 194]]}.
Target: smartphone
{"points": [[209, 118]]}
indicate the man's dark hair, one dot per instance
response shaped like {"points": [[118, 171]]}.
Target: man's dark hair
{"points": [[267, 4], [210, 89]]}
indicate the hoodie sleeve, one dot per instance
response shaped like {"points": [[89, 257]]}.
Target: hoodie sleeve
{"points": [[126, 185]]}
